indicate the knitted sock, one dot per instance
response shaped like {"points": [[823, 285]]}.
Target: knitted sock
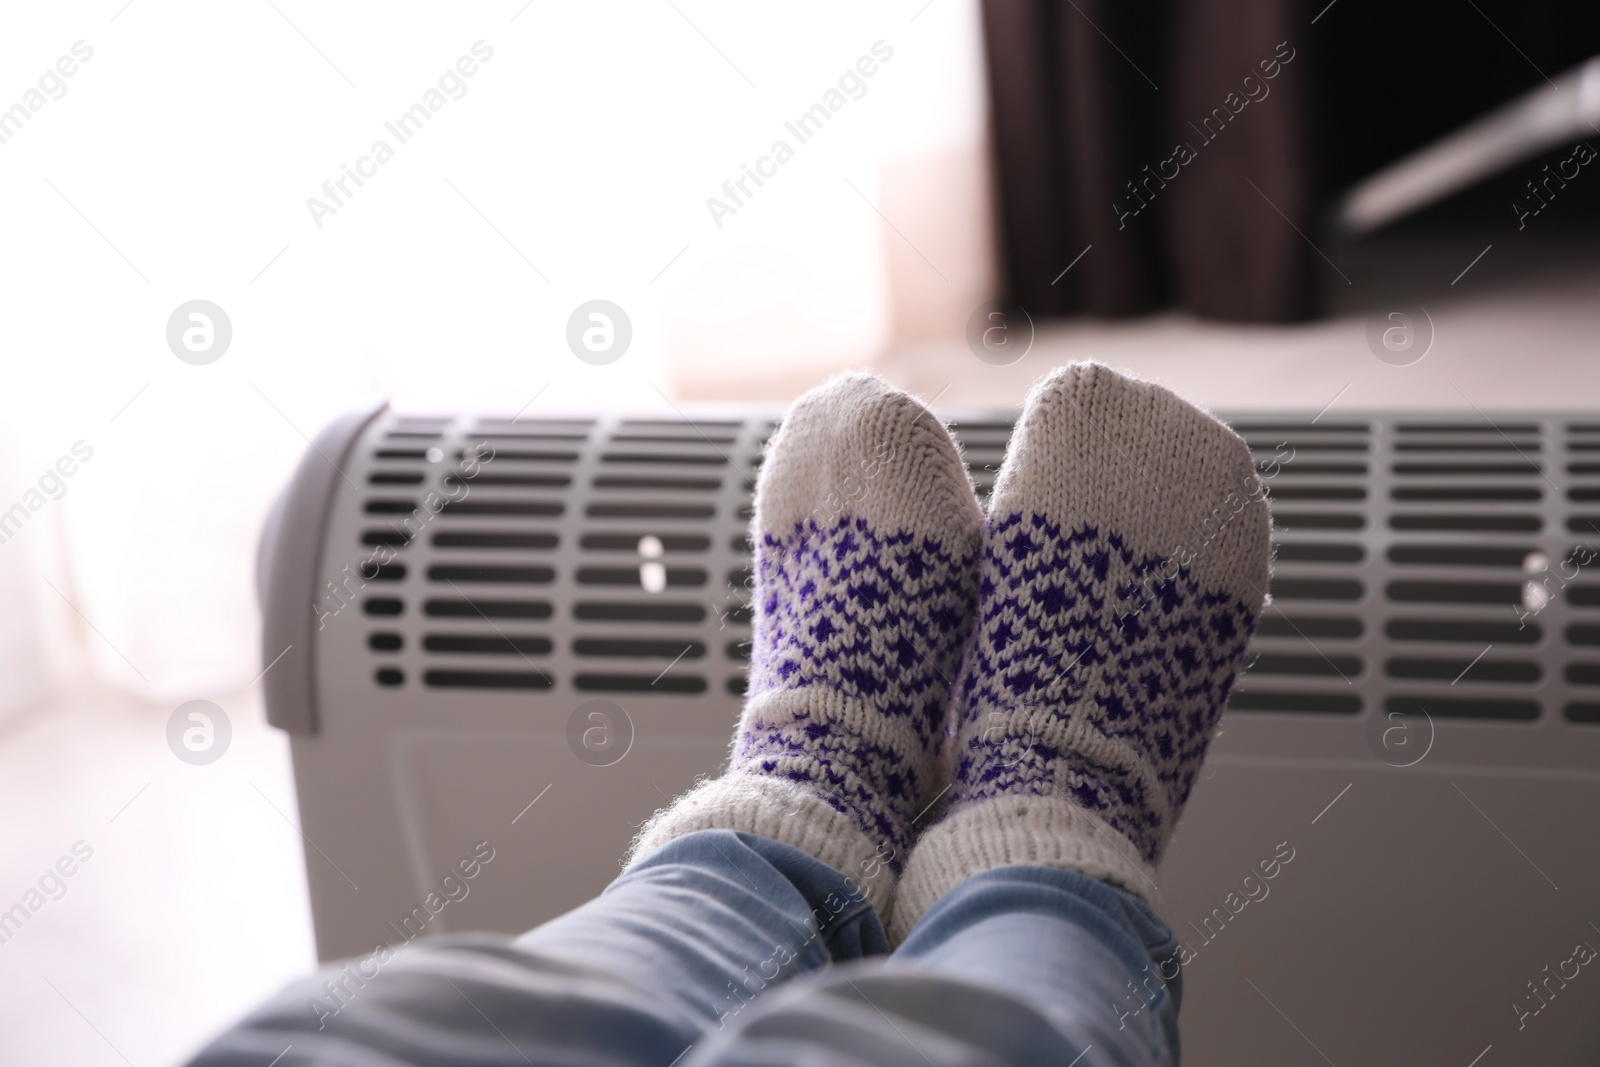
{"points": [[867, 537], [1125, 562]]}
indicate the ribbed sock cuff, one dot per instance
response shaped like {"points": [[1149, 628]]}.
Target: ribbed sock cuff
{"points": [[785, 812], [1012, 831]]}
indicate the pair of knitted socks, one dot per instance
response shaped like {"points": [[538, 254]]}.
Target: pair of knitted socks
{"points": [[934, 692]]}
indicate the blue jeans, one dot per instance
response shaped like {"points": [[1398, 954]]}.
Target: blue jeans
{"points": [[727, 949]]}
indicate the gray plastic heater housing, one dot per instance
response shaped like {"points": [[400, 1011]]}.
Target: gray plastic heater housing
{"points": [[560, 649]]}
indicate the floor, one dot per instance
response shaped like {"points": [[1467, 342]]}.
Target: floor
{"points": [[1514, 329], [190, 907]]}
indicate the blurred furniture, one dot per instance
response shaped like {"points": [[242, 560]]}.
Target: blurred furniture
{"points": [[1187, 150]]}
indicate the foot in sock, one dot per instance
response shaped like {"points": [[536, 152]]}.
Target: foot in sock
{"points": [[867, 537], [1126, 559]]}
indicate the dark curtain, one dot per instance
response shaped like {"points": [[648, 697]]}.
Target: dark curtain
{"points": [[1272, 113], [1095, 104]]}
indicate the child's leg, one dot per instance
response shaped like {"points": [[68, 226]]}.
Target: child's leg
{"points": [[867, 537], [1125, 563]]}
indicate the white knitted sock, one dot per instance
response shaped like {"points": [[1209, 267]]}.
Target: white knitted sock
{"points": [[866, 539], [1125, 562]]}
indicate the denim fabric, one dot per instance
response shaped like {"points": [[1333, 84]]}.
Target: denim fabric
{"points": [[727, 948]]}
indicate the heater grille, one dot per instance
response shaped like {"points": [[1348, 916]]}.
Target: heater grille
{"points": [[1434, 564], [592, 556], [1419, 567]]}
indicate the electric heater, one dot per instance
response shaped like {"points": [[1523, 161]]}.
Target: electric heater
{"points": [[526, 635]]}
